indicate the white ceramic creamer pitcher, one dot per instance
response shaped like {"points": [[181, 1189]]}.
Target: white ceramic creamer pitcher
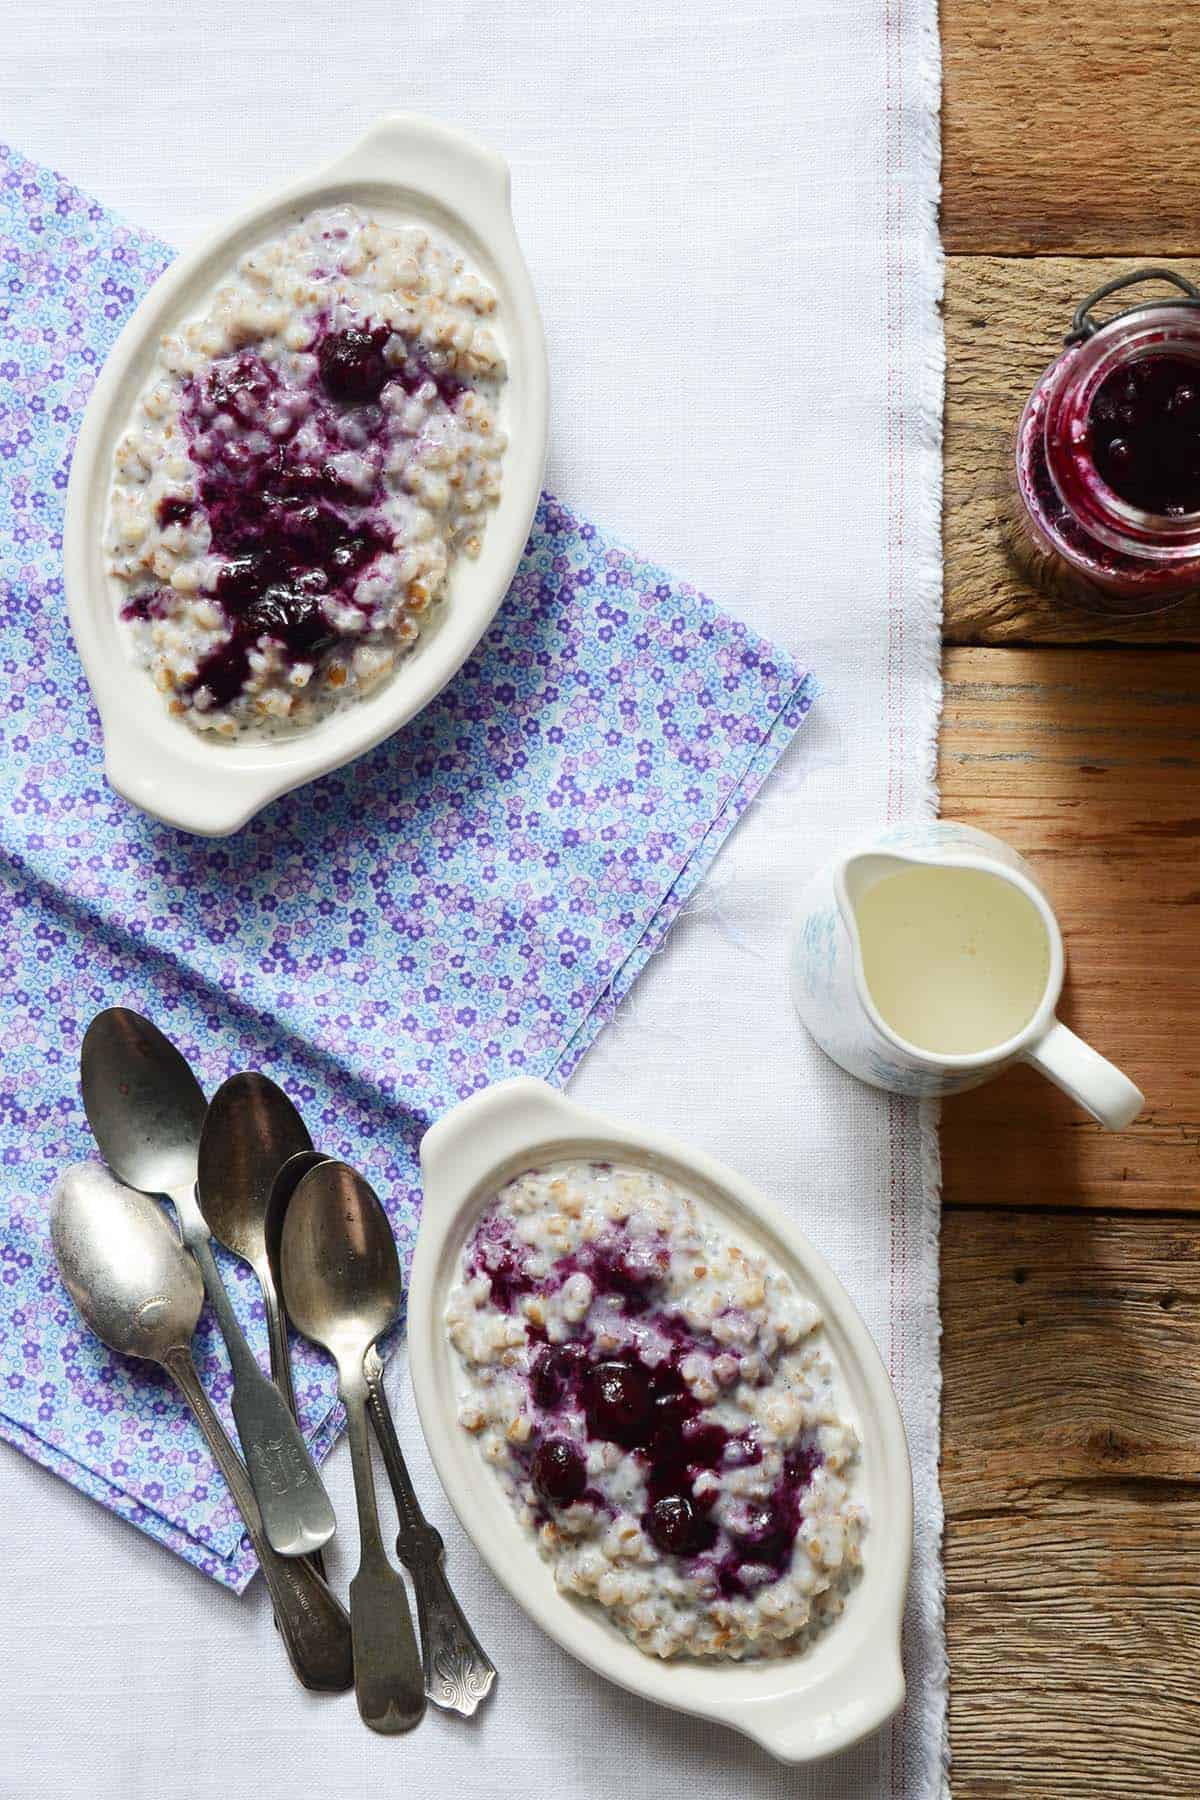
{"points": [[929, 959]]}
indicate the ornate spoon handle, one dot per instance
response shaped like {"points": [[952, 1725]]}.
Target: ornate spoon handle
{"points": [[311, 1620], [296, 1511], [387, 1670], [281, 1359], [459, 1675]]}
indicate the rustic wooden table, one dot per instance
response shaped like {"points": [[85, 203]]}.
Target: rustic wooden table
{"points": [[1070, 1277]]}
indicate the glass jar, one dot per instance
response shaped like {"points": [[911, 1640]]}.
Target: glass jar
{"points": [[1107, 465]]}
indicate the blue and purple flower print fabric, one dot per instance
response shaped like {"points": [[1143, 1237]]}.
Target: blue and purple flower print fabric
{"points": [[467, 902]]}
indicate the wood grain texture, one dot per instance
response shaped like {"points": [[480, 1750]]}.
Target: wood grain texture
{"points": [[1072, 1490], [1071, 1302], [1066, 126], [1089, 763], [1005, 321]]}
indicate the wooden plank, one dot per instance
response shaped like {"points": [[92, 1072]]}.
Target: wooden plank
{"points": [[1066, 125], [1005, 321], [1072, 1487], [1089, 763]]}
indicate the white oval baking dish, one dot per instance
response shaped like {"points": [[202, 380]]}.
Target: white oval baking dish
{"points": [[405, 169], [799, 1708]]}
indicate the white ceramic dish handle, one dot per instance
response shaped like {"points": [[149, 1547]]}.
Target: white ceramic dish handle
{"points": [[425, 153], [467, 1144]]}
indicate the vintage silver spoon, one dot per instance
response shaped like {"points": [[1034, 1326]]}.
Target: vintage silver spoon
{"points": [[339, 1276], [287, 1180], [146, 1110], [251, 1129], [141, 1293], [458, 1673]]}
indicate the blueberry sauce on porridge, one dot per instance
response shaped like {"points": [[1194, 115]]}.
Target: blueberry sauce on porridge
{"points": [[302, 471], [660, 1407]]}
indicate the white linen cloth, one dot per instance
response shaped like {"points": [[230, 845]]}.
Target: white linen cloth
{"points": [[730, 219]]}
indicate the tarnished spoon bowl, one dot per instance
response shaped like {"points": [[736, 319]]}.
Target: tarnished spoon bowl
{"points": [[142, 1100], [341, 1271], [283, 1187], [250, 1130], [134, 1283]]}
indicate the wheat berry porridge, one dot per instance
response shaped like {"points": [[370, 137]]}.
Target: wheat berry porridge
{"points": [[659, 1405], [304, 467]]}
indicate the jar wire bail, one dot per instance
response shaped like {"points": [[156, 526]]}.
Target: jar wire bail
{"points": [[1083, 326]]}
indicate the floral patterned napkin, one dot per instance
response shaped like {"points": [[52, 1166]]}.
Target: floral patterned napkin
{"points": [[469, 901]]}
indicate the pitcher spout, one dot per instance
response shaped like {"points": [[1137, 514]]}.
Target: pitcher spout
{"points": [[860, 872]]}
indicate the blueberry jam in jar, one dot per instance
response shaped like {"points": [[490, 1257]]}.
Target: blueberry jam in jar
{"points": [[1107, 467]]}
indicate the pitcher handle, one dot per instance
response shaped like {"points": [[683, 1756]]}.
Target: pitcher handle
{"points": [[1091, 1080]]}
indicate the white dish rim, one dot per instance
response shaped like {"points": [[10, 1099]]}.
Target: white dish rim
{"points": [[159, 763], [800, 1709]]}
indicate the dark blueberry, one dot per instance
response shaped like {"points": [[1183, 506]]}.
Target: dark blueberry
{"points": [[244, 578], [240, 386], [729, 1576], [149, 604], [766, 1534], [502, 1262], [223, 672], [313, 533], [704, 1443], [174, 512], [616, 1268], [547, 1377], [313, 581], [672, 1412], [800, 1464], [559, 1472], [449, 387], [673, 1524], [347, 557], [334, 487], [742, 1453], [352, 365], [618, 1401], [290, 615]]}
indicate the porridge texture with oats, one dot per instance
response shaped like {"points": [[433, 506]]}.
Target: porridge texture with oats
{"points": [[303, 468], [659, 1406]]}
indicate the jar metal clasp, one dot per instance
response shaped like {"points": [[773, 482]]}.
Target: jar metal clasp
{"points": [[1083, 326]]}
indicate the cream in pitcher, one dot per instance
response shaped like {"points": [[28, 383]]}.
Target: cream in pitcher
{"points": [[956, 960], [930, 959]]}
